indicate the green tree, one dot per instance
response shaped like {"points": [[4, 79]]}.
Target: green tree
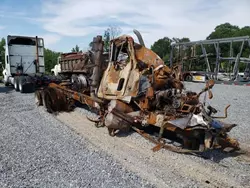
{"points": [[2, 53], [184, 39], [227, 30], [245, 31], [50, 59], [113, 32], [106, 39], [162, 47], [185, 49], [76, 49], [224, 31], [110, 33], [2, 50]]}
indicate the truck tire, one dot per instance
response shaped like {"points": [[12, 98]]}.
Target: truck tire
{"points": [[21, 84], [6, 84], [25, 84], [16, 83], [30, 87]]}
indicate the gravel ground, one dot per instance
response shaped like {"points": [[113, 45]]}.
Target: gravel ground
{"points": [[239, 99], [220, 169], [39, 151]]}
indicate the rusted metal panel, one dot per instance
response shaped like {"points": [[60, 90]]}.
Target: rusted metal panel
{"points": [[74, 62], [121, 77], [137, 90]]}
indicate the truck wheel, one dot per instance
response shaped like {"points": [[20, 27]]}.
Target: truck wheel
{"points": [[21, 84], [16, 83], [6, 84]]}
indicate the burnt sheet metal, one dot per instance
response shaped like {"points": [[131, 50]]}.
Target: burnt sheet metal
{"points": [[120, 106], [118, 81], [197, 120], [74, 62], [138, 90], [181, 122], [159, 145], [190, 120], [71, 94]]}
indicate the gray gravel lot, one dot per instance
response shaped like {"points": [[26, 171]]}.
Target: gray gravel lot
{"points": [[239, 112], [39, 151], [220, 169]]}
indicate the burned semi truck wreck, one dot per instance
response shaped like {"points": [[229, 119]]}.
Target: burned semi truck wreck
{"points": [[132, 88]]}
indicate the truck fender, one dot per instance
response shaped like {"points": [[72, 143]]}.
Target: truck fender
{"points": [[5, 78]]}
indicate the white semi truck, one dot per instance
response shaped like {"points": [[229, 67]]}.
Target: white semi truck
{"points": [[24, 62], [57, 68]]}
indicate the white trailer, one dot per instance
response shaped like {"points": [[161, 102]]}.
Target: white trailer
{"points": [[24, 61]]}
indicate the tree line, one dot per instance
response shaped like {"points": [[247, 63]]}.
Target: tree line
{"points": [[161, 46]]}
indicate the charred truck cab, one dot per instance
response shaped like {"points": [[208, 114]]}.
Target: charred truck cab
{"points": [[24, 62]]}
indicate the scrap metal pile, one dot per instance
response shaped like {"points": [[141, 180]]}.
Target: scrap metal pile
{"points": [[134, 89]]}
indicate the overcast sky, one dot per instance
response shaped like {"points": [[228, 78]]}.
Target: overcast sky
{"points": [[65, 23]]}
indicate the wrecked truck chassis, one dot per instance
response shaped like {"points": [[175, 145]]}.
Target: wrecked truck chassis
{"points": [[212, 137], [136, 90]]}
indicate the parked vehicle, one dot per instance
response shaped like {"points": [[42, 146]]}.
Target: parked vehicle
{"points": [[135, 90], [24, 63], [57, 68]]}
